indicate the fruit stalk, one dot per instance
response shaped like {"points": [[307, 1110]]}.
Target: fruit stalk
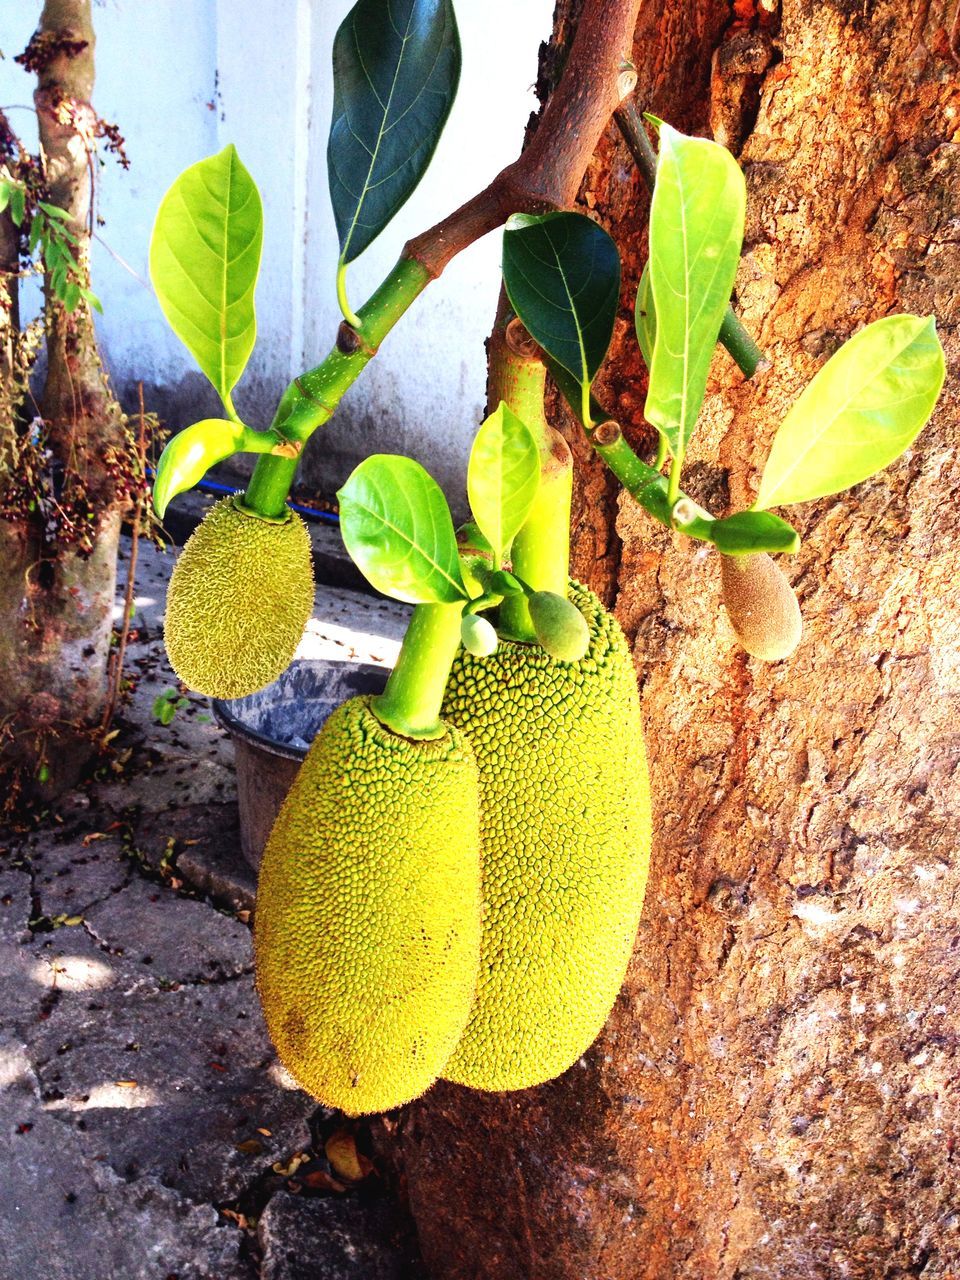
{"points": [[541, 550], [410, 704], [311, 399]]}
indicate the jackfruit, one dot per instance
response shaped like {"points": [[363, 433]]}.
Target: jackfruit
{"points": [[565, 840], [560, 627], [367, 928], [240, 596], [478, 636], [761, 606]]}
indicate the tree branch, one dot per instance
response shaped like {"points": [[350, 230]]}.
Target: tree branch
{"points": [[549, 172]]}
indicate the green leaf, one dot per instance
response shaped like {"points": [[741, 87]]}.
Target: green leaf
{"points": [[562, 276], [18, 203], [696, 232], [91, 299], [71, 295], [194, 450], [5, 188], [204, 261], [750, 531], [502, 478], [54, 211], [397, 527], [36, 231], [645, 318], [396, 66], [866, 405]]}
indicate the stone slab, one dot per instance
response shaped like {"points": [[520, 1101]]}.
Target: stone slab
{"points": [[326, 1239]]}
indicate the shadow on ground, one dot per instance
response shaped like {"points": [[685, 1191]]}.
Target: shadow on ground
{"points": [[148, 1131]]}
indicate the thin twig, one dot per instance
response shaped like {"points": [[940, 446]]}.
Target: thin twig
{"points": [[732, 335], [116, 672]]}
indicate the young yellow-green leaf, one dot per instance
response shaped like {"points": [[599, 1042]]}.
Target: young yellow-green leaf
{"points": [[645, 317], [502, 478], [562, 276], [191, 453], [396, 66], [866, 405], [204, 262], [397, 527], [753, 531], [696, 232]]}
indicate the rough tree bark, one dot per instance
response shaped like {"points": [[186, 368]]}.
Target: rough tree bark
{"points": [[62, 503], [776, 1093]]}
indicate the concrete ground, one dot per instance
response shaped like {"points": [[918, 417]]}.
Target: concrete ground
{"points": [[147, 1131]]}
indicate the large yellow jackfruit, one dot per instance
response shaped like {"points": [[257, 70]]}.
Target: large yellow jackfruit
{"points": [[565, 839], [367, 928], [239, 599]]}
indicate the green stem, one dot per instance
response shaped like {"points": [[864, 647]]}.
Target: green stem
{"points": [[345, 309], [269, 485], [647, 486], [310, 400], [410, 704], [673, 478], [733, 335], [741, 345], [541, 550]]}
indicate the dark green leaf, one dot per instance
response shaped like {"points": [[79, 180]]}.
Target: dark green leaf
{"points": [[502, 478], [194, 450], [866, 405], [696, 232], [204, 262], [36, 230], [71, 295], [562, 276], [397, 527], [750, 531], [396, 65]]}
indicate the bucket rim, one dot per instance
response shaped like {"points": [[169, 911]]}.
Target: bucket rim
{"points": [[227, 718]]}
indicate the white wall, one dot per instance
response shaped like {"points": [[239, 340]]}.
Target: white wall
{"points": [[184, 77]]}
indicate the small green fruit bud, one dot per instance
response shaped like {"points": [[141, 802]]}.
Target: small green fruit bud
{"points": [[560, 626], [478, 637], [761, 606]]}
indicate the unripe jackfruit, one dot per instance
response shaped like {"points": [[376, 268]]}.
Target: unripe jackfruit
{"points": [[565, 840], [761, 606], [478, 636], [559, 625], [240, 596], [367, 928]]}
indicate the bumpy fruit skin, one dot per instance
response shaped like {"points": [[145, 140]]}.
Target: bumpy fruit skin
{"points": [[565, 839], [367, 929], [761, 606], [240, 595]]}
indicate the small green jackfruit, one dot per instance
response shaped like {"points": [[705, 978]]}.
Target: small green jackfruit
{"points": [[367, 927], [478, 636], [761, 606], [560, 626], [565, 840], [240, 596]]}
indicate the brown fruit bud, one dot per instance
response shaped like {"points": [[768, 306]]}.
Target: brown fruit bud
{"points": [[761, 605]]}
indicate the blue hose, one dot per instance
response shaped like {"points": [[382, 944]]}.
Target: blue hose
{"points": [[308, 513]]}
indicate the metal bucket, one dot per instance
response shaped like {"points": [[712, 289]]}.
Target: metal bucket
{"points": [[272, 730]]}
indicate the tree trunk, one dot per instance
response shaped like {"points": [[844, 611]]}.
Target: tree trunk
{"points": [[776, 1092], [62, 506]]}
